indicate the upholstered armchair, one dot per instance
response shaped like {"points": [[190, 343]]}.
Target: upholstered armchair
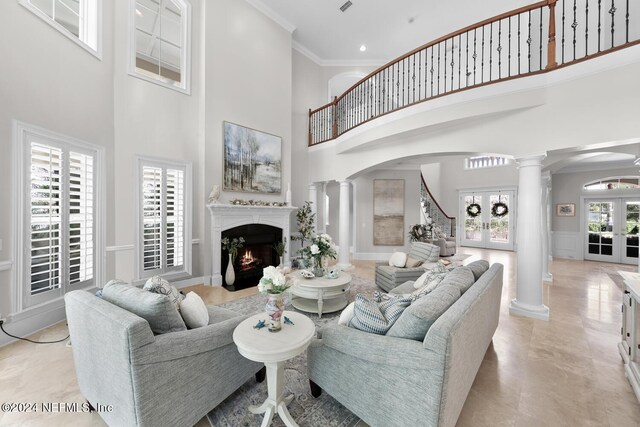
{"points": [[388, 277], [171, 379], [447, 245]]}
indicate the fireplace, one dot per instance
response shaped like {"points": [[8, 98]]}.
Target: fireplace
{"points": [[225, 218], [256, 254]]}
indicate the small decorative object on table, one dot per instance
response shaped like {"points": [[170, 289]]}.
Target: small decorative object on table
{"points": [[319, 251], [334, 273], [261, 324], [280, 248], [274, 283], [306, 274]]}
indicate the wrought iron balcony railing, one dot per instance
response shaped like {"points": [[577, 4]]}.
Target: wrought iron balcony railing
{"points": [[515, 44]]}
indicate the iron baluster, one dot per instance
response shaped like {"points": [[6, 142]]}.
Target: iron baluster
{"points": [[529, 40], [453, 62], [599, 24], [431, 71], [627, 23], [466, 62], [445, 66], [612, 12], [540, 49], [420, 75], [509, 56], [563, 22], [586, 29], [475, 55], [490, 50], [574, 25], [438, 68], [500, 49], [519, 44], [403, 82], [482, 59], [459, 61]]}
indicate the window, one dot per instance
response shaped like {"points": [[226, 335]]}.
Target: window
{"points": [[613, 183], [58, 215], [485, 162], [164, 219], [76, 19], [161, 42]]}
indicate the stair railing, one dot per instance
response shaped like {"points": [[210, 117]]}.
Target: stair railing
{"points": [[515, 44], [432, 208]]}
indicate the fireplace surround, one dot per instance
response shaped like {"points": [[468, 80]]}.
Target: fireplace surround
{"points": [[227, 217]]}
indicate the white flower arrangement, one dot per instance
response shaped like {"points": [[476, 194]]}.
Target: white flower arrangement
{"points": [[273, 281]]}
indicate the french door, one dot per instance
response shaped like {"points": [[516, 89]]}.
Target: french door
{"points": [[488, 219], [611, 233]]}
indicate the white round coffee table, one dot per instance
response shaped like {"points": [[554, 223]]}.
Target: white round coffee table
{"points": [[320, 294], [273, 349]]}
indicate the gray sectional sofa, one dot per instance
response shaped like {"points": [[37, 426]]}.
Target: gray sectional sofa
{"points": [[389, 381]]}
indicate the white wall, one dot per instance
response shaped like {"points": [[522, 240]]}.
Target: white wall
{"points": [[248, 80], [152, 120], [49, 81]]}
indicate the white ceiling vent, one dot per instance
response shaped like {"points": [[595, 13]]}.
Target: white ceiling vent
{"points": [[345, 6]]}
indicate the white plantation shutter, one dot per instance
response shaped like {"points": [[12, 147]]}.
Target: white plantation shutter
{"points": [[45, 218], [61, 212], [152, 218], [163, 208]]}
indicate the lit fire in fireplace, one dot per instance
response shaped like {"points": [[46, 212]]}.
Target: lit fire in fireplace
{"points": [[247, 259]]}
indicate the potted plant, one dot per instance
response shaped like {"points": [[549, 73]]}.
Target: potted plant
{"points": [[320, 249], [280, 248]]}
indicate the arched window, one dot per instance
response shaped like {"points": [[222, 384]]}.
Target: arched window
{"points": [[161, 42], [613, 183], [76, 19]]}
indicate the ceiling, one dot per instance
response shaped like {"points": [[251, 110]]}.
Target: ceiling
{"points": [[332, 37]]}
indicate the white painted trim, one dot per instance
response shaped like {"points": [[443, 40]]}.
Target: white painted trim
{"points": [[20, 132], [372, 256], [97, 52], [202, 280], [566, 245], [185, 63], [271, 14], [5, 265], [296, 45], [29, 325], [119, 248]]}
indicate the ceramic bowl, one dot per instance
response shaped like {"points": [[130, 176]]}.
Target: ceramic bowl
{"points": [[307, 274]]}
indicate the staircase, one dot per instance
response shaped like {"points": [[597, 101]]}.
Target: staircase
{"points": [[431, 209]]}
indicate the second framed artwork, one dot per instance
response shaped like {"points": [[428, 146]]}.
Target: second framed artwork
{"points": [[566, 209], [252, 160], [388, 212]]}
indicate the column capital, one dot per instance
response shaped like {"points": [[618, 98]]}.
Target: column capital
{"points": [[345, 182], [530, 160]]}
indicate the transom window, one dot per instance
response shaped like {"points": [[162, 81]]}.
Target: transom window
{"points": [[478, 162], [76, 19], [164, 221], [160, 48], [614, 183], [58, 185]]}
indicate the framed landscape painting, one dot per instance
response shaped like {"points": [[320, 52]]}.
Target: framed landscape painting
{"points": [[388, 212], [252, 160]]}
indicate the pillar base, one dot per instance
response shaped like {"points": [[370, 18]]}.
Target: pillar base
{"points": [[547, 277], [540, 312]]}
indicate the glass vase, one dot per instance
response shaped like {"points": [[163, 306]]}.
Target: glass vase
{"points": [[274, 308], [318, 268]]}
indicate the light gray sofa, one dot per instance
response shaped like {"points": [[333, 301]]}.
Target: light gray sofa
{"points": [[172, 379], [389, 381], [388, 277], [447, 245]]}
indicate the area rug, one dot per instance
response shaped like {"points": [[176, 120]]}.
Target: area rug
{"points": [[305, 409]]}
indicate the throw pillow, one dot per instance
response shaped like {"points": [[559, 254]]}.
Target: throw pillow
{"points": [[158, 285], [398, 259], [412, 262], [156, 309], [460, 277], [377, 318], [478, 268], [347, 314], [418, 318], [194, 311], [438, 270]]}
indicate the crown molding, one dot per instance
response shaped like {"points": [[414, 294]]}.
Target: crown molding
{"points": [[336, 62], [275, 17]]}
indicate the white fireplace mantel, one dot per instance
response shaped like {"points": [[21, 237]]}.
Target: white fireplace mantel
{"points": [[224, 217]]}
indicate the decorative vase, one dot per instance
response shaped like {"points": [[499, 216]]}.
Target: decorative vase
{"points": [[275, 308], [230, 275], [318, 268], [282, 261]]}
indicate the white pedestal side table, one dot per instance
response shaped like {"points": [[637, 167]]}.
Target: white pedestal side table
{"points": [[273, 349]]}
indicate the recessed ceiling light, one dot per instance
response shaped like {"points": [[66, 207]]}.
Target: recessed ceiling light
{"points": [[363, 48]]}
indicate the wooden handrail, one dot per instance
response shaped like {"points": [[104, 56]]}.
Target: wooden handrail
{"points": [[434, 199]]}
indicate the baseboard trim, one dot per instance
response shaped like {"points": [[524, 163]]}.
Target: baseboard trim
{"points": [[191, 282], [27, 326], [374, 256]]}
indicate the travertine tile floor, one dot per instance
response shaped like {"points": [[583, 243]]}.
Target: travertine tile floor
{"points": [[565, 372]]}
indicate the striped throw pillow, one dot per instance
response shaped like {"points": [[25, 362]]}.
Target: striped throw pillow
{"points": [[377, 318]]}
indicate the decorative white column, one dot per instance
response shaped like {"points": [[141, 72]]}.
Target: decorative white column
{"points": [[528, 301], [322, 200], [343, 258], [313, 198], [546, 226]]}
